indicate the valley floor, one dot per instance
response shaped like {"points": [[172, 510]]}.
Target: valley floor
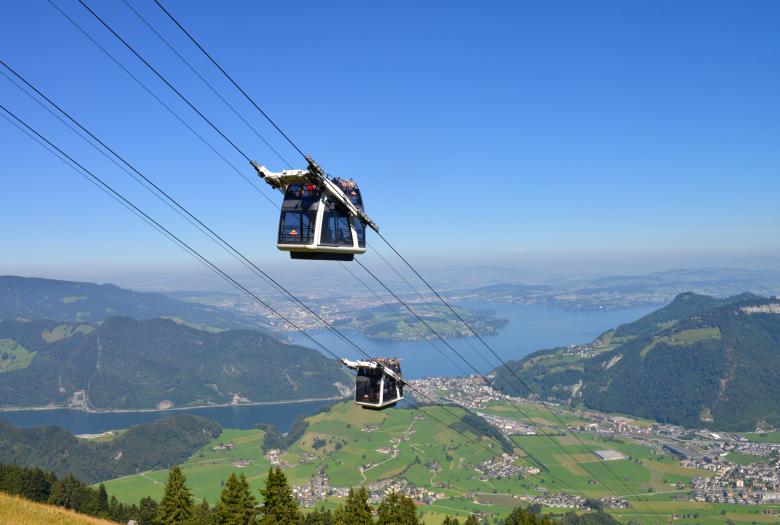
{"points": [[450, 473]]}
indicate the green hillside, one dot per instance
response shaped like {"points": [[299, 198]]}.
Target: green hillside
{"points": [[20, 511], [356, 447], [699, 361], [76, 302], [123, 363], [164, 442]]}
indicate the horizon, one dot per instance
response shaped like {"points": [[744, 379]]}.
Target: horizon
{"points": [[192, 279], [624, 158]]}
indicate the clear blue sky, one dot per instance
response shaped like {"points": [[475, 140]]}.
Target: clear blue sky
{"points": [[476, 129]]}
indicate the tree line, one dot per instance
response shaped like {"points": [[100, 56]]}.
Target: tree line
{"points": [[238, 506]]}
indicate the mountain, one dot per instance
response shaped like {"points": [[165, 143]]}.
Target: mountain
{"points": [[175, 438], [618, 292], [25, 298], [699, 362], [123, 363]]}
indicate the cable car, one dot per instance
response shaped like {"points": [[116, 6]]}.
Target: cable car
{"points": [[321, 218], [378, 383]]}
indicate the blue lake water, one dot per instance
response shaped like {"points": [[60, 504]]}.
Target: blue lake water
{"points": [[530, 328]]}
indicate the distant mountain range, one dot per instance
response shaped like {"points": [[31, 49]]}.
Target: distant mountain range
{"points": [[700, 362], [160, 444], [25, 298], [62, 344], [627, 291]]}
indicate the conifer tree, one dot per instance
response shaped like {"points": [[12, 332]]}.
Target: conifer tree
{"points": [[176, 505], [450, 521], [147, 511], [319, 517], [203, 515], [68, 492], [521, 516], [236, 504], [102, 501], [354, 511], [279, 507], [397, 509], [472, 520]]}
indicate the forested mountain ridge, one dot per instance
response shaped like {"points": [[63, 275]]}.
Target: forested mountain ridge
{"points": [[174, 439], [157, 363], [699, 362], [26, 298]]}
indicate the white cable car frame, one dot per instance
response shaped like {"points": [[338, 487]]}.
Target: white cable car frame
{"points": [[377, 385], [321, 218]]}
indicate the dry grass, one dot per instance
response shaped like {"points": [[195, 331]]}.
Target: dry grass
{"points": [[18, 511]]}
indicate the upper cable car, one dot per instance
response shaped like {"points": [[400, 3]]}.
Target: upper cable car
{"points": [[378, 383], [321, 218]]}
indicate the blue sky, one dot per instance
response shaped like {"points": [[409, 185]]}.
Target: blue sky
{"points": [[499, 132]]}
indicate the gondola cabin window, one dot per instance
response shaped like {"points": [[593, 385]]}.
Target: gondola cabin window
{"points": [[336, 229], [296, 227]]}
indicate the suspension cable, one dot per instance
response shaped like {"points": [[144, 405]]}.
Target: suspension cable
{"points": [[160, 101], [213, 61], [400, 317], [106, 188], [157, 191], [481, 375], [458, 316], [167, 83], [426, 302], [505, 365], [206, 82]]}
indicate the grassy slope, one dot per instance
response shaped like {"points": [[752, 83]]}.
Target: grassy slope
{"points": [[647, 473], [205, 470], [24, 512]]}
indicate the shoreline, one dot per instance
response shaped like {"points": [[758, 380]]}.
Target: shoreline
{"points": [[172, 409]]}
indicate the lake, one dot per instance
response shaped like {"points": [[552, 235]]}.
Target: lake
{"points": [[530, 328]]}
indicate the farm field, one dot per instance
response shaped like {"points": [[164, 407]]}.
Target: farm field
{"points": [[361, 447], [205, 470]]}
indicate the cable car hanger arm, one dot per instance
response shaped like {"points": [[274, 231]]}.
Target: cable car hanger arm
{"points": [[314, 174], [372, 364]]}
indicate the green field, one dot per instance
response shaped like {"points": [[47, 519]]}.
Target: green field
{"points": [[205, 470], [13, 355], [763, 437], [362, 447], [683, 337], [64, 331]]}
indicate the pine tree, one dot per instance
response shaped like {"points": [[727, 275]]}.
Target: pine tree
{"points": [[521, 516], [147, 512], [397, 509], [450, 521], [69, 493], [236, 504], [319, 517], [472, 520], [203, 515], [176, 505], [102, 501], [279, 506], [354, 511]]}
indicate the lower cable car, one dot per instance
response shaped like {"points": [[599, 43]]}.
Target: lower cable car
{"points": [[321, 218], [378, 383]]}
